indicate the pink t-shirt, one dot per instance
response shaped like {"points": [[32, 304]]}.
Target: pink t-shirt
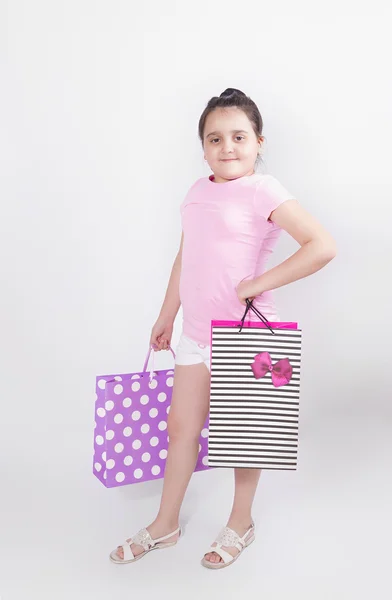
{"points": [[227, 238]]}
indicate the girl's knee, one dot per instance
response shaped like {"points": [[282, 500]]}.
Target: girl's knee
{"points": [[178, 430]]}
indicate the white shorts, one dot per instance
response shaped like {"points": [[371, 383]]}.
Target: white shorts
{"points": [[189, 352]]}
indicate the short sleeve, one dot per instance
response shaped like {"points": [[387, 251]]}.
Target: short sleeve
{"points": [[188, 197], [182, 206], [269, 194], [184, 203]]}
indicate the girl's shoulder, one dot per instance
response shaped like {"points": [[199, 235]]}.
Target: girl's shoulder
{"points": [[192, 190], [269, 193], [259, 180], [199, 182]]}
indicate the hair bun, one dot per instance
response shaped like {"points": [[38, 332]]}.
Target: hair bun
{"points": [[231, 92]]}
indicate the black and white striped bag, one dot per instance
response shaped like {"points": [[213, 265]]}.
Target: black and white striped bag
{"points": [[254, 393]]}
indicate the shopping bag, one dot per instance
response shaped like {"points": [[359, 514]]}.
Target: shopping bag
{"points": [[130, 440], [254, 393]]}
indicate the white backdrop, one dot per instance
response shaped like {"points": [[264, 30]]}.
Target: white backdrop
{"points": [[99, 109]]}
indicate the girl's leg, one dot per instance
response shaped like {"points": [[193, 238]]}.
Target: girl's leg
{"points": [[246, 481], [240, 519], [188, 413]]}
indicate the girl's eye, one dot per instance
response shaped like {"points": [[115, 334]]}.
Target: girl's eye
{"points": [[237, 136]]}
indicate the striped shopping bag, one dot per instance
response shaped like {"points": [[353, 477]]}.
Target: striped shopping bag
{"points": [[254, 393]]}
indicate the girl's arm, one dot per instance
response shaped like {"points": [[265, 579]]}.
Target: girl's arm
{"points": [[317, 249], [172, 303]]}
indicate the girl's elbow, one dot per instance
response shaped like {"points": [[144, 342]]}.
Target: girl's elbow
{"points": [[329, 251]]}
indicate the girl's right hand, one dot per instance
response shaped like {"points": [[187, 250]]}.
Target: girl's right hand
{"points": [[161, 334]]}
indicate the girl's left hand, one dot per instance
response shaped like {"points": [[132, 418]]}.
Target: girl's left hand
{"points": [[245, 290]]}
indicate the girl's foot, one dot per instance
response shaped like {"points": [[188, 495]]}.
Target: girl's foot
{"points": [[156, 530], [239, 527]]}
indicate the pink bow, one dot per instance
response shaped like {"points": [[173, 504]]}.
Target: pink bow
{"points": [[281, 371]]}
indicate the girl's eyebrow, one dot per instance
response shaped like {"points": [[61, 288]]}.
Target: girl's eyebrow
{"points": [[232, 131]]}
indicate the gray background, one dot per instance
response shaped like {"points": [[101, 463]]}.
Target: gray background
{"points": [[99, 107]]}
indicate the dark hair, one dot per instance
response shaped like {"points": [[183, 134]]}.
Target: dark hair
{"points": [[232, 97]]}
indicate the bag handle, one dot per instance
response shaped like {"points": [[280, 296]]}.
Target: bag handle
{"points": [[148, 358], [249, 306]]}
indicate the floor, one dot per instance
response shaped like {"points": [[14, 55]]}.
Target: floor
{"points": [[322, 532]]}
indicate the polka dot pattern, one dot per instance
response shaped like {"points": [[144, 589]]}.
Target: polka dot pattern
{"points": [[130, 437]]}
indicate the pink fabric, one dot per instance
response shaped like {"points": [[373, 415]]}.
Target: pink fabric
{"points": [[227, 238]]}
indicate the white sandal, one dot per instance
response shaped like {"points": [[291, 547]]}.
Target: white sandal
{"points": [[228, 537], [142, 538]]}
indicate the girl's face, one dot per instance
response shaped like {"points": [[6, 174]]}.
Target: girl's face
{"points": [[230, 144]]}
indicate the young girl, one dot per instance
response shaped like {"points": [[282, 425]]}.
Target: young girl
{"points": [[231, 221]]}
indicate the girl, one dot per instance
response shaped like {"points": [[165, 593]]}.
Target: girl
{"points": [[231, 221]]}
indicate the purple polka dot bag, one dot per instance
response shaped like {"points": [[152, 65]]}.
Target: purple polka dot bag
{"points": [[130, 436]]}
